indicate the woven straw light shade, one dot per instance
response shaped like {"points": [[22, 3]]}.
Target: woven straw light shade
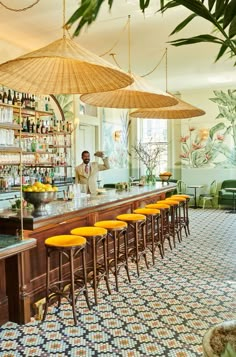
{"points": [[138, 95], [62, 67], [182, 110]]}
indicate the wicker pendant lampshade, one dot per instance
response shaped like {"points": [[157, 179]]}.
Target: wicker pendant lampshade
{"points": [[138, 95], [62, 67], [182, 110]]}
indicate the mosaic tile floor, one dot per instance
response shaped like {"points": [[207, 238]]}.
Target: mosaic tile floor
{"points": [[163, 313]]}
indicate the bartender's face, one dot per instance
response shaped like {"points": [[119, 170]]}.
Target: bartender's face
{"points": [[86, 158]]}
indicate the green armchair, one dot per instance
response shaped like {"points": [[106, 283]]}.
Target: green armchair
{"points": [[226, 198]]}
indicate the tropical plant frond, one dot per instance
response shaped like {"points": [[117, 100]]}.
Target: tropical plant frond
{"points": [[196, 39], [183, 24]]}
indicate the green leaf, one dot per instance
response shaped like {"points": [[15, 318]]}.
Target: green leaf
{"points": [[232, 28], [143, 4], [216, 128], [211, 3], [196, 39], [222, 50], [183, 24], [229, 13], [229, 351], [220, 7], [196, 7]]}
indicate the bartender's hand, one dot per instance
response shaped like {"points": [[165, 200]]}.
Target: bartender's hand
{"points": [[99, 154]]}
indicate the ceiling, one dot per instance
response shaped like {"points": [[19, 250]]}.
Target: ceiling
{"points": [[189, 67]]}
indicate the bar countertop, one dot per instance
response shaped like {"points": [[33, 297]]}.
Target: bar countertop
{"points": [[11, 245], [59, 209]]}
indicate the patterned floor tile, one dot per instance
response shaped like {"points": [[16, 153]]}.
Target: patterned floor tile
{"points": [[164, 312]]}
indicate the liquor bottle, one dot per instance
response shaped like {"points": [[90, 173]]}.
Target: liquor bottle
{"points": [[27, 101], [9, 97], [32, 102], [36, 103], [46, 104], [18, 100], [4, 97], [43, 128], [28, 124], [23, 100], [24, 125], [33, 127], [38, 127], [14, 99]]}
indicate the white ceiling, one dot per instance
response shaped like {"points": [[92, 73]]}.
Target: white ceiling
{"points": [[189, 67]]}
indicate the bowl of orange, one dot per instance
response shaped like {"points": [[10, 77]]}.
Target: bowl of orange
{"points": [[165, 176], [39, 195]]}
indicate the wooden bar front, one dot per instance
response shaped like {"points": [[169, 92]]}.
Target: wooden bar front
{"points": [[62, 217]]}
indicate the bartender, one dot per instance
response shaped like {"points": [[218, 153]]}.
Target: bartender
{"points": [[86, 172]]}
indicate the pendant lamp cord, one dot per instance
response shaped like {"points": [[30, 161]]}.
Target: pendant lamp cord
{"points": [[129, 46], [64, 18], [19, 10], [166, 70]]}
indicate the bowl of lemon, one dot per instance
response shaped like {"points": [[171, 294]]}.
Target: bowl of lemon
{"points": [[165, 176], [39, 195]]}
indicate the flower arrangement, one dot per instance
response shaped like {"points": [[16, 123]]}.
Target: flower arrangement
{"points": [[149, 155]]}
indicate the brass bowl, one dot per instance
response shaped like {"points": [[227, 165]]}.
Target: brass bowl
{"points": [[39, 200]]}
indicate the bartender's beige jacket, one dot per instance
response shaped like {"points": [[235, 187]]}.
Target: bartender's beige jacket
{"points": [[90, 179]]}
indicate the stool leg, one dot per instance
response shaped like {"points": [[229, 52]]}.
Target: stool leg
{"points": [[136, 246], [144, 244], [47, 281], [85, 278], [159, 238], [115, 259], [106, 265], [60, 277], [153, 240], [126, 254], [72, 288], [94, 253]]}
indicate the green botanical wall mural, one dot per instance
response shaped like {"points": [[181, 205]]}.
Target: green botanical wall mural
{"points": [[66, 103], [214, 146]]}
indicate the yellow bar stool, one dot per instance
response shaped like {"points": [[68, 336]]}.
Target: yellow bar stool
{"points": [[185, 201], [164, 227], [71, 247], [95, 238], [175, 221], [118, 258], [153, 239], [137, 246]]}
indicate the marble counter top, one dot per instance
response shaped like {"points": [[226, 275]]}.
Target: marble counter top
{"points": [[11, 245], [110, 196]]}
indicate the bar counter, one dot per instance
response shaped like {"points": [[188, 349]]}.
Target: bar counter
{"points": [[62, 216]]}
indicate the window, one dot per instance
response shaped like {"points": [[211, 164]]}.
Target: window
{"points": [[155, 130]]}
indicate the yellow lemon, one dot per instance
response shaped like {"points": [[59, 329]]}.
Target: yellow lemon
{"points": [[55, 189]]}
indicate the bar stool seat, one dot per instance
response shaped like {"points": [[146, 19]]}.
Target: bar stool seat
{"points": [[119, 256], [71, 247], [153, 238], [136, 225], [95, 237]]}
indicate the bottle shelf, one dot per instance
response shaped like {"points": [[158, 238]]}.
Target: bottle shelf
{"points": [[10, 126], [11, 150], [45, 165], [31, 112], [26, 134]]}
